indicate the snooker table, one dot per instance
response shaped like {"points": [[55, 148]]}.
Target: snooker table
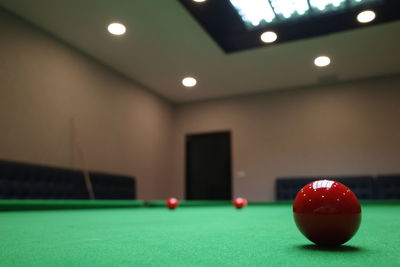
{"points": [[134, 233]]}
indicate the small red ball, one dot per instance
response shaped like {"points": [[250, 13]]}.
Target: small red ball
{"points": [[239, 202], [172, 203], [327, 212]]}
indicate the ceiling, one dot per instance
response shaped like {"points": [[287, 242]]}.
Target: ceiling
{"points": [[164, 43]]}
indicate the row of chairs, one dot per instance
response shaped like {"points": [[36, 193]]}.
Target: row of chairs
{"points": [[30, 181], [365, 187]]}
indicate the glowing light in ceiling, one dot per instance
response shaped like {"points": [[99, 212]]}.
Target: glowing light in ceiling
{"points": [[257, 12]]}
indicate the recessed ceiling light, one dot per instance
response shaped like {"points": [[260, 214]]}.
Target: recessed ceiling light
{"points": [[322, 61], [116, 28], [189, 82], [366, 16], [199, 1], [269, 37]]}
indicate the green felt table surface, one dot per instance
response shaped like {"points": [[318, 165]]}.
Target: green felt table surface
{"points": [[129, 233]]}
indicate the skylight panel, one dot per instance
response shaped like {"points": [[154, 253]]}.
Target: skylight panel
{"points": [[254, 12], [289, 8], [327, 5]]}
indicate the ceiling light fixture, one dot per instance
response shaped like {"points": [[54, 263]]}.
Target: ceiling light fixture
{"points": [[256, 13], [322, 61], [269, 37], [199, 1], [189, 82], [116, 28], [366, 16]]}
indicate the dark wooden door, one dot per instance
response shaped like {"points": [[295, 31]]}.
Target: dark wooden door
{"points": [[208, 166]]}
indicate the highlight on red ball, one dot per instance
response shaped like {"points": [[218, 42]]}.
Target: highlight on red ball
{"points": [[239, 202], [172, 203]]}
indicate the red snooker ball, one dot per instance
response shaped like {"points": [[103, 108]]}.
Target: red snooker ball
{"points": [[239, 202], [327, 212], [172, 203]]}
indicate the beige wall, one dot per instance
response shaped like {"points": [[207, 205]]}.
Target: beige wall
{"points": [[44, 84], [346, 129]]}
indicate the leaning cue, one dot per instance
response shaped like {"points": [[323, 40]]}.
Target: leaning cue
{"points": [[86, 175]]}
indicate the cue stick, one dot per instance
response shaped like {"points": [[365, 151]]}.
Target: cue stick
{"points": [[86, 175]]}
